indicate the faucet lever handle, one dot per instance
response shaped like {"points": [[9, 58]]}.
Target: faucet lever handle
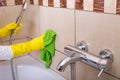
{"points": [[101, 71]]}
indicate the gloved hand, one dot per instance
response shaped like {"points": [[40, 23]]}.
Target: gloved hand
{"points": [[25, 47], [46, 42], [6, 30]]}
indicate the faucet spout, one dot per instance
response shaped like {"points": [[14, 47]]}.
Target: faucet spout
{"points": [[103, 62], [65, 62]]}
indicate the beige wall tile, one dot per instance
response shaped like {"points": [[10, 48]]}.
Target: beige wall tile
{"points": [[116, 45], [56, 3], [28, 2], [45, 2], [16, 41], [20, 40], [93, 28], [35, 2], [36, 55], [110, 6], [97, 30], [10, 2], [88, 5], [9, 14], [61, 21], [85, 72], [33, 21], [71, 4]]}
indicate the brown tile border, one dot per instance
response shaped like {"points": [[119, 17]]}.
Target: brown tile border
{"points": [[31, 2], [51, 3], [18, 2], [63, 3], [79, 4], [3, 3], [98, 5], [118, 7], [40, 2]]}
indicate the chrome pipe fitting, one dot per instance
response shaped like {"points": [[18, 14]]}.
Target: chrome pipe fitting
{"points": [[103, 62]]}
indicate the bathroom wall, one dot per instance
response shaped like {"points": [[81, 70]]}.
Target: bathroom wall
{"points": [[95, 22], [9, 11]]}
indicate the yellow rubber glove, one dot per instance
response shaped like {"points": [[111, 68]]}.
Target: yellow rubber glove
{"points": [[22, 48], [6, 30]]}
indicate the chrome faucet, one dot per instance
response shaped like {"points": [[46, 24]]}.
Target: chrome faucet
{"points": [[103, 62], [67, 61]]}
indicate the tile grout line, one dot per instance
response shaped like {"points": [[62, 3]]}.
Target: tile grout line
{"points": [[75, 37]]}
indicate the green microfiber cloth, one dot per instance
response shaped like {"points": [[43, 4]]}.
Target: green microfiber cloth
{"points": [[49, 47]]}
